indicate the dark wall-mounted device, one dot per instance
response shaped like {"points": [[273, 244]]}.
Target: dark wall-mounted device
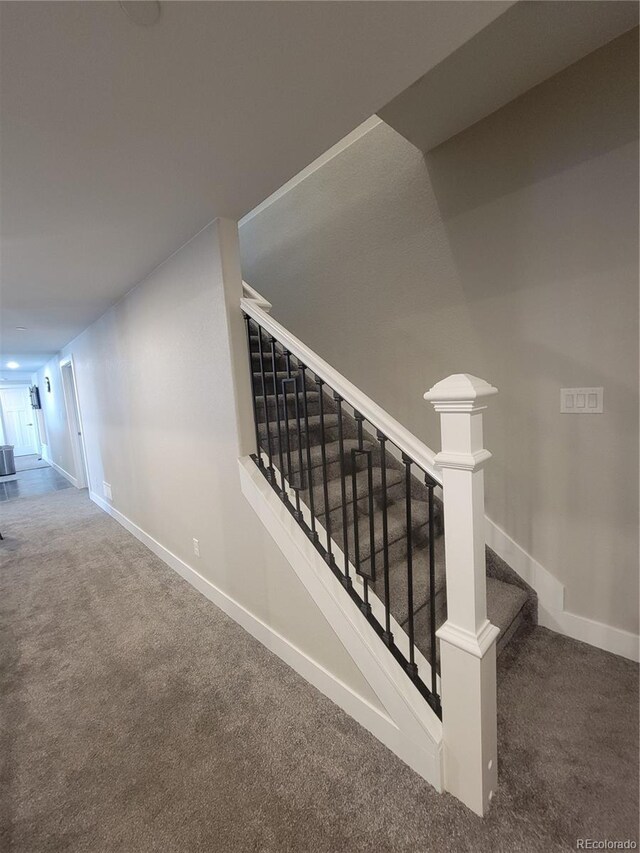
{"points": [[35, 397]]}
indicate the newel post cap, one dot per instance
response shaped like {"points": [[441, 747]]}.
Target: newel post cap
{"points": [[460, 392]]}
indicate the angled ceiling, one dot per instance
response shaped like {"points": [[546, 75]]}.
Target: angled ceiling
{"points": [[119, 142], [529, 43]]}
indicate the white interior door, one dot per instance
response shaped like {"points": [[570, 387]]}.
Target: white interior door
{"points": [[74, 421], [19, 422]]}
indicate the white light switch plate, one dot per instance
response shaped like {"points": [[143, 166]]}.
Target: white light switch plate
{"points": [[581, 401], [106, 489]]}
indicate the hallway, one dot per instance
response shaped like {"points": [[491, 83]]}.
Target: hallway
{"points": [[33, 477], [138, 717]]}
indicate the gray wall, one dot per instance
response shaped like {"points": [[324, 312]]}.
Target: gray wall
{"points": [[510, 252], [57, 447], [156, 395]]}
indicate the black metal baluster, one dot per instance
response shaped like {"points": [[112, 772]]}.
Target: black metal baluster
{"points": [[343, 486], [365, 606], [299, 434], [325, 484], [356, 533], [287, 382], [283, 491], [430, 483], [248, 322], [305, 481], [412, 669], [290, 380], [265, 399], [372, 535], [359, 420], [314, 533], [387, 636]]}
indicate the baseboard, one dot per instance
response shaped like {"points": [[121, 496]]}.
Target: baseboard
{"points": [[415, 734], [370, 717], [551, 612], [548, 588], [59, 469], [597, 634]]}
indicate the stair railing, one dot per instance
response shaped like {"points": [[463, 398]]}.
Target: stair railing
{"points": [[464, 696], [337, 514]]}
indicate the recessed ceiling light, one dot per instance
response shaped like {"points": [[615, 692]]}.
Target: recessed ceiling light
{"points": [[141, 12], [12, 365], [21, 328]]}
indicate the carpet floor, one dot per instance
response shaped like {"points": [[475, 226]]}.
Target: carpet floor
{"points": [[137, 717]]}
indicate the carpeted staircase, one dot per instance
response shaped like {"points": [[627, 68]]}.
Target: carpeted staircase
{"points": [[511, 604]]}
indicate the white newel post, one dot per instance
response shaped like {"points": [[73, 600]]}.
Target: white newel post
{"points": [[467, 638]]}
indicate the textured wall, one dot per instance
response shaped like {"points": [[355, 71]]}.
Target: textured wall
{"points": [[510, 252]]}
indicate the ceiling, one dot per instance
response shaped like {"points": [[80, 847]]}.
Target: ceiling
{"points": [[120, 142], [527, 44]]}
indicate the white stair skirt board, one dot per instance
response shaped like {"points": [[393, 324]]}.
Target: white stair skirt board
{"points": [[551, 612], [409, 730]]}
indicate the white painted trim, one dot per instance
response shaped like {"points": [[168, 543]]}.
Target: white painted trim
{"points": [[56, 467], [375, 414], [78, 448], [417, 736], [321, 161], [606, 637], [377, 606], [251, 293], [550, 591], [425, 761], [551, 612], [476, 643]]}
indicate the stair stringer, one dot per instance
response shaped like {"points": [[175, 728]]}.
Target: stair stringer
{"points": [[408, 726]]}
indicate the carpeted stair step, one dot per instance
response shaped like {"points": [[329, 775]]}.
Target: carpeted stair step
{"points": [[253, 337], [334, 490], [269, 388], [275, 405], [332, 456], [397, 542], [419, 491], [398, 578], [309, 427], [267, 360], [505, 605]]}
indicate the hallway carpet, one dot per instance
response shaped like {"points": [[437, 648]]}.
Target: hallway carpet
{"points": [[137, 717]]}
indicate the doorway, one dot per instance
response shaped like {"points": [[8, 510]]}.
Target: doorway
{"points": [[74, 420], [18, 421]]}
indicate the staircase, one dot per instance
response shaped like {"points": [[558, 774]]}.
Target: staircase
{"points": [[302, 428], [369, 496]]}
